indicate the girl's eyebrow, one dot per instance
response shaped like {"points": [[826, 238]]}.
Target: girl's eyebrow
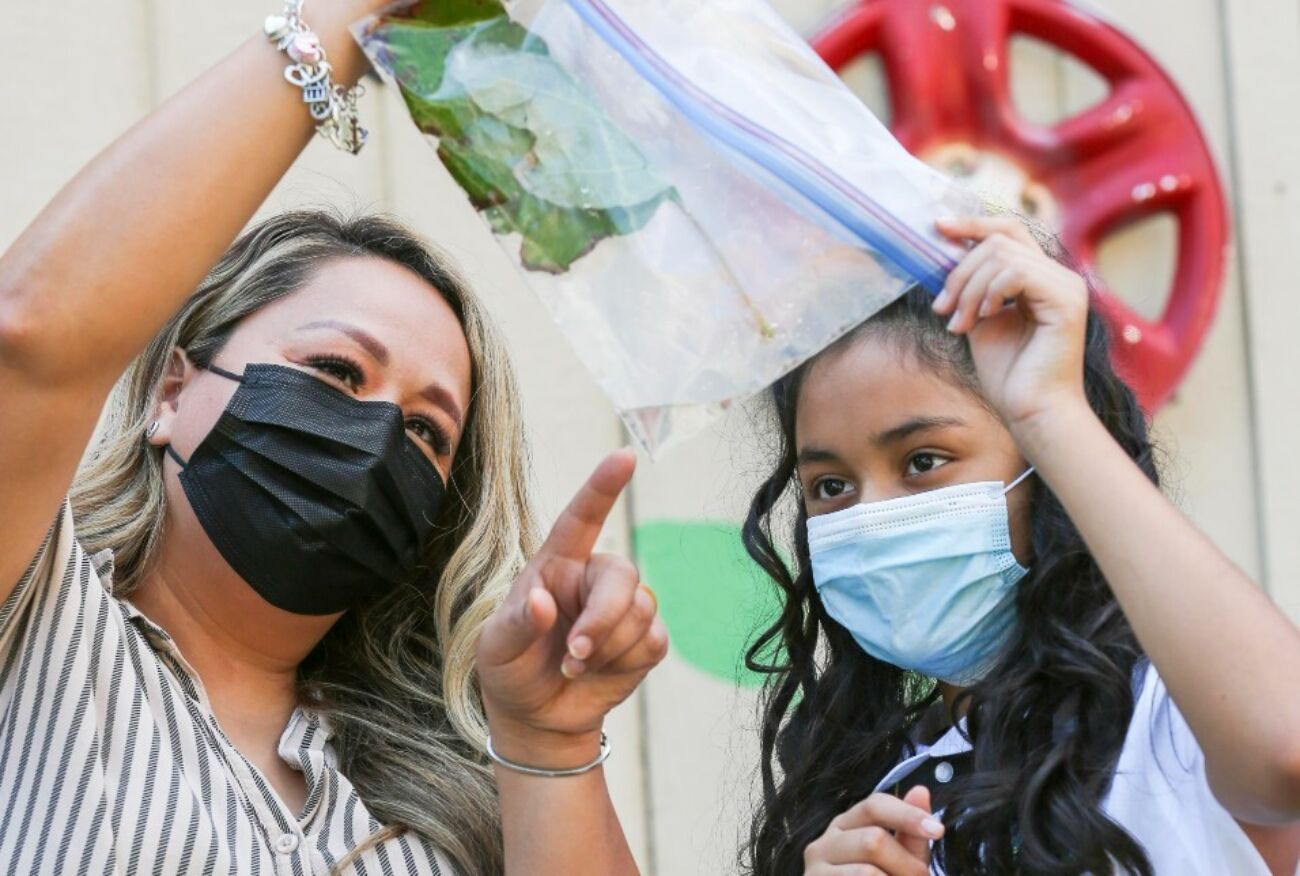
{"points": [[811, 454], [910, 427]]}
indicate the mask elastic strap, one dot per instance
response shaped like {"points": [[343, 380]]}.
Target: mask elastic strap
{"points": [[238, 378], [1020, 480]]}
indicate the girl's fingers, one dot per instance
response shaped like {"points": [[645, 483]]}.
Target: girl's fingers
{"points": [[1006, 287], [983, 227], [610, 586], [972, 296], [891, 813], [873, 845], [1051, 293], [919, 847], [630, 630], [948, 299]]}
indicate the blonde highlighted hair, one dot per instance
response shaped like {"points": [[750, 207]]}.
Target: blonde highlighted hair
{"points": [[396, 676]]}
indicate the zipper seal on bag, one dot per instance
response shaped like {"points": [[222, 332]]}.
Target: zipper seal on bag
{"points": [[827, 190]]}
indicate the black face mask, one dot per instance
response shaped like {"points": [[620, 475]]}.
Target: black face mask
{"points": [[318, 500]]}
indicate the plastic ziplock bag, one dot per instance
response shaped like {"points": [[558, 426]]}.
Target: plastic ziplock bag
{"points": [[696, 197]]}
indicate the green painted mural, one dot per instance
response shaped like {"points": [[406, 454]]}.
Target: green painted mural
{"points": [[712, 596]]}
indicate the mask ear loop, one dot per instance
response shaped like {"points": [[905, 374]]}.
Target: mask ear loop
{"points": [[171, 451], [238, 378], [1020, 480]]}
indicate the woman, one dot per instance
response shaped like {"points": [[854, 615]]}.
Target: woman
{"points": [[249, 641], [988, 600]]}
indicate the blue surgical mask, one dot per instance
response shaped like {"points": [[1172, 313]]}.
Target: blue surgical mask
{"points": [[925, 582]]}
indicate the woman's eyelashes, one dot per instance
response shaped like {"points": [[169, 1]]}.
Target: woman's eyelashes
{"points": [[350, 375], [430, 433], [340, 368]]}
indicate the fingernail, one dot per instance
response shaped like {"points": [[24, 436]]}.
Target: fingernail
{"points": [[933, 827], [571, 668], [940, 300], [953, 322], [580, 648], [645, 600]]}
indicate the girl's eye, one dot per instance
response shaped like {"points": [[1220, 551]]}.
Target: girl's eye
{"points": [[430, 433], [922, 463], [831, 488], [344, 371]]}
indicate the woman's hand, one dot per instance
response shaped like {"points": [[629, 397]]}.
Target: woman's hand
{"points": [[881, 836], [332, 23], [1025, 315], [574, 638]]}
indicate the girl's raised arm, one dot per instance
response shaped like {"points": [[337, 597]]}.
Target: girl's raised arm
{"points": [[1230, 658], [117, 251]]}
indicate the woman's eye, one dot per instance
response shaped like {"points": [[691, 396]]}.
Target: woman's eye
{"points": [[831, 488], [429, 432], [343, 371], [921, 463]]}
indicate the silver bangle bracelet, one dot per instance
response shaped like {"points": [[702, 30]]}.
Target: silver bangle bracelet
{"points": [[332, 106], [550, 774]]}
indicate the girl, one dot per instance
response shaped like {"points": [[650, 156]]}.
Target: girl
{"points": [[290, 594], [988, 600]]}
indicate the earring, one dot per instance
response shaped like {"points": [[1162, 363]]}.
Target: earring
{"points": [[152, 430]]}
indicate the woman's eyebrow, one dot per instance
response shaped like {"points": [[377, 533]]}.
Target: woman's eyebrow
{"points": [[433, 393], [910, 427], [440, 398], [367, 341]]}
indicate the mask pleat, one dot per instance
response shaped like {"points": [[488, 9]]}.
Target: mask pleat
{"points": [[926, 583], [315, 494]]}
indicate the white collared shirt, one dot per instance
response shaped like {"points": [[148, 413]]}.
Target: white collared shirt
{"points": [[1160, 793]]}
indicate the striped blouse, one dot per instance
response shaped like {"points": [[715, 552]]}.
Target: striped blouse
{"points": [[111, 760]]}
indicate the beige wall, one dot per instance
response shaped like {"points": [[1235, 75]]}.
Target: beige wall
{"points": [[80, 71]]}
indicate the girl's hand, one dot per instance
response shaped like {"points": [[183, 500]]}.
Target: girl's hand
{"points": [[1025, 315], [576, 635], [891, 837]]}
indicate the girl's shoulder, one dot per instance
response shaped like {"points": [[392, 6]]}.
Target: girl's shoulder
{"points": [[1161, 795]]}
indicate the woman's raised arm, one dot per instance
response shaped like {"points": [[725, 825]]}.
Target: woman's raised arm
{"points": [[117, 251]]}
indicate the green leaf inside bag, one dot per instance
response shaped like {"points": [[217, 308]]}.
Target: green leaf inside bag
{"points": [[530, 147]]}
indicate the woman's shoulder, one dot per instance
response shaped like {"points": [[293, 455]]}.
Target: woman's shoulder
{"points": [[60, 581]]}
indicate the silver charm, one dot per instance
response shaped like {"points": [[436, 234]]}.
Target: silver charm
{"points": [[301, 75], [316, 92], [276, 28], [332, 107]]}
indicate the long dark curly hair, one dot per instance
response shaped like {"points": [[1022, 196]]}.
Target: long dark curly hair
{"points": [[1048, 723]]}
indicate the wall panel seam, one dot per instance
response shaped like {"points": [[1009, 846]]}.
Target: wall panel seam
{"points": [[1241, 267]]}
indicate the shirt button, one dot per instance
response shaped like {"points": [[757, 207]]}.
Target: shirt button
{"points": [[943, 773], [286, 843]]}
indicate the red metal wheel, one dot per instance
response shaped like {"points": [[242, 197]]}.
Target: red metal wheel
{"points": [[1138, 153]]}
